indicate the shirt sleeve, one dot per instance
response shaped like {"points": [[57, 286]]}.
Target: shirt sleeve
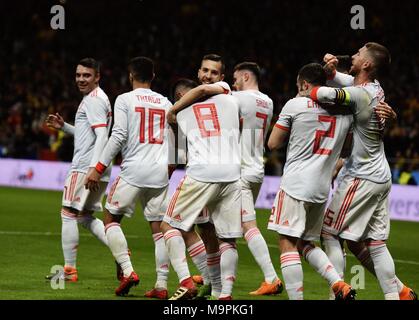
{"points": [[225, 86], [354, 97], [286, 116], [97, 112], [341, 80], [119, 133]]}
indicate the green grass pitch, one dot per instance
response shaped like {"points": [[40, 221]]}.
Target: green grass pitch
{"points": [[30, 226]]}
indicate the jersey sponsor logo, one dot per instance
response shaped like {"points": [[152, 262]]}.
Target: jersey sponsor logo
{"points": [[77, 199], [286, 223], [177, 218]]}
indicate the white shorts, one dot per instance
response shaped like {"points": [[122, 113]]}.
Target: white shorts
{"points": [[250, 192], [359, 210], [77, 197], [203, 217], [222, 200], [123, 198], [296, 218]]}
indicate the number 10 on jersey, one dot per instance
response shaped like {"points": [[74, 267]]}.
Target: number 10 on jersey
{"points": [[152, 115]]}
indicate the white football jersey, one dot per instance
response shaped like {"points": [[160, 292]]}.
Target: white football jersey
{"points": [[315, 143], [94, 111], [256, 111], [213, 139], [367, 160], [141, 131]]}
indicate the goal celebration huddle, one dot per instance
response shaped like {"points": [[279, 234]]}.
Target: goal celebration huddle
{"points": [[333, 131]]}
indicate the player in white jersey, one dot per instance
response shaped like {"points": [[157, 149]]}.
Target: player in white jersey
{"points": [[140, 133], [212, 182], [210, 76], [359, 208], [256, 111], [316, 138], [90, 130]]}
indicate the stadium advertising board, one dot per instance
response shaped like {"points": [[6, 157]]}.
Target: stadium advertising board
{"points": [[404, 200]]}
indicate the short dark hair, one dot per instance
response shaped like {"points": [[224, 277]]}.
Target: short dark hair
{"points": [[216, 58], [182, 82], [253, 67], [313, 73], [381, 59], [142, 69], [90, 63]]}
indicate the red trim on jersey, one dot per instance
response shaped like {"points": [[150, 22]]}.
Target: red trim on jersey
{"points": [[174, 198], [346, 204], [332, 76], [282, 127], [100, 167], [279, 207], [112, 191], [99, 125], [313, 93], [93, 93]]}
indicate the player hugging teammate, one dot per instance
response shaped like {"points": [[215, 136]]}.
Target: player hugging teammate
{"points": [[223, 134]]}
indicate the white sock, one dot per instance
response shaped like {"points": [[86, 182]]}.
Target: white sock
{"points": [[336, 256], [258, 247], [176, 249], [292, 273], [321, 263], [198, 255], [228, 264], [119, 247], [214, 272], [365, 258], [384, 269], [95, 226], [69, 237], [162, 261]]}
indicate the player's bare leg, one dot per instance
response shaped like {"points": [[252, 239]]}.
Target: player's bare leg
{"points": [[176, 249], [208, 235], [162, 263], [259, 249], [360, 250], [119, 248], [318, 259], [292, 271]]}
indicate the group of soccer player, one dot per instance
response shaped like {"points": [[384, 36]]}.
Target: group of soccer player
{"points": [[220, 135]]}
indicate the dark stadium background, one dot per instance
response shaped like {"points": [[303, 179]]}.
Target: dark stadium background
{"points": [[37, 63]]}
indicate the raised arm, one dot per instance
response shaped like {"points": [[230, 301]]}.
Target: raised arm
{"points": [[194, 95]]}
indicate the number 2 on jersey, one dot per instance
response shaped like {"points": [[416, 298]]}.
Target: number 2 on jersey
{"points": [[329, 133], [151, 115], [209, 115]]}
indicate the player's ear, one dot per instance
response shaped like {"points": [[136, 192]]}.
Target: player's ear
{"points": [[97, 77], [246, 76], [154, 75], [222, 77]]}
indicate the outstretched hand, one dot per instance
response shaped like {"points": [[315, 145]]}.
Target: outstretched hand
{"points": [[54, 121]]}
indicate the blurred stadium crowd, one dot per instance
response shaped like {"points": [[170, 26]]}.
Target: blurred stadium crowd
{"points": [[38, 63]]}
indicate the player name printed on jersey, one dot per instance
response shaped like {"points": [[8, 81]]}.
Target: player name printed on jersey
{"points": [[256, 111], [211, 128], [93, 112]]}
